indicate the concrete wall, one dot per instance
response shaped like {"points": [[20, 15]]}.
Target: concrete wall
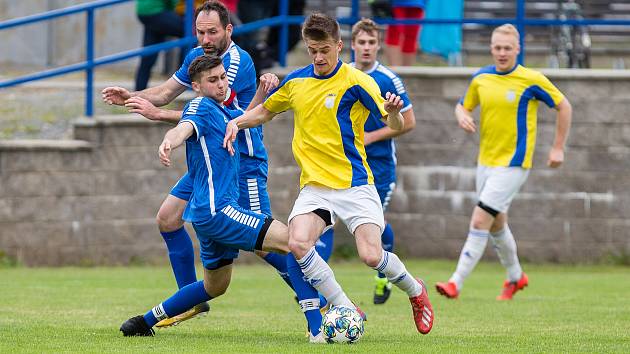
{"points": [[93, 200]]}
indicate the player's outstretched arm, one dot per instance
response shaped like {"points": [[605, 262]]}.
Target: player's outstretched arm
{"points": [[159, 95], [465, 119], [173, 139], [145, 108], [393, 104], [268, 82], [253, 118], [563, 123], [409, 122]]}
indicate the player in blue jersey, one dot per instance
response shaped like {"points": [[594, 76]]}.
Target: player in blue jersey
{"points": [[508, 95], [221, 224], [214, 35], [331, 102], [379, 143]]}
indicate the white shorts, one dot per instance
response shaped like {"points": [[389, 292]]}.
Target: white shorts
{"points": [[354, 206], [497, 186]]}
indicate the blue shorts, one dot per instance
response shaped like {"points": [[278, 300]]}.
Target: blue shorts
{"points": [[183, 188], [252, 183], [385, 191], [230, 229]]}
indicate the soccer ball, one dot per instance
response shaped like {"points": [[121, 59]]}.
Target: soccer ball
{"points": [[342, 325]]}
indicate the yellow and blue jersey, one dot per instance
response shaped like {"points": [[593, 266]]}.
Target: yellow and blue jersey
{"points": [[330, 113], [508, 103]]}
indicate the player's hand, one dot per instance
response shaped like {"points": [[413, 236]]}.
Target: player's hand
{"points": [[115, 95], [143, 107], [230, 136], [467, 123], [268, 82], [393, 103], [164, 151], [556, 158]]}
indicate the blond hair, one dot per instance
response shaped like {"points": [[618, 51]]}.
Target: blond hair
{"points": [[366, 25], [508, 29]]}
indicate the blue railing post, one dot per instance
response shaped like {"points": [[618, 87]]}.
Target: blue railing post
{"points": [[188, 22], [355, 17], [355, 10], [284, 32], [520, 26], [89, 71]]}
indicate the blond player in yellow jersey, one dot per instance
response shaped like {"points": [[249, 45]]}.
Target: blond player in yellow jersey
{"points": [[508, 95], [331, 102]]}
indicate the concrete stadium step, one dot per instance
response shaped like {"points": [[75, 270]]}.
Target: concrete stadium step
{"points": [[556, 205], [453, 178]]}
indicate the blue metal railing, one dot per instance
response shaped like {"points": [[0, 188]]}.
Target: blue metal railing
{"points": [[283, 21]]}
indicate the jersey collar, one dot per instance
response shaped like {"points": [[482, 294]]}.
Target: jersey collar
{"points": [[371, 70], [232, 44], [329, 75], [506, 72]]}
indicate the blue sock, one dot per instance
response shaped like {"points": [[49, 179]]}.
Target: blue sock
{"points": [[182, 256], [279, 262], [322, 301], [387, 239], [183, 300], [304, 291], [324, 246]]}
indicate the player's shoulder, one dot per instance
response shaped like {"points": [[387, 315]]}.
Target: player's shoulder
{"points": [[531, 73], [486, 70], [300, 73], [236, 55], [194, 53], [355, 75]]}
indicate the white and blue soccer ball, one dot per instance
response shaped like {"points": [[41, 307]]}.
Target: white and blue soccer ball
{"points": [[342, 325]]}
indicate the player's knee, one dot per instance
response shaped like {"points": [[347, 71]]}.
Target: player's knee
{"points": [[299, 248], [371, 257], [168, 221]]}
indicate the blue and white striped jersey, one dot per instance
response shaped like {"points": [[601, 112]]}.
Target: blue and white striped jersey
{"points": [[213, 170], [381, 155], [242, 80]]}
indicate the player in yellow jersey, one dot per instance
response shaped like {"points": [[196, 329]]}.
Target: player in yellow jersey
{"points": [[508, 96], [331, 102]]}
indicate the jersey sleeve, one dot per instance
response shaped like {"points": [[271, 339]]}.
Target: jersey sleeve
{"points": [[547, 93], [234, 112], [370, 97], [241, 76], [396, 86], [279, 100], [181, 75], [197, 113], [470, 100]]}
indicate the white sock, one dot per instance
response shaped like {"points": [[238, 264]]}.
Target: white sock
{"points": [[471, 254], [505, 246], [321, 277], [395, 271]]}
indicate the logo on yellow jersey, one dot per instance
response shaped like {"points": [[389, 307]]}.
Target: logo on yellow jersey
{"points": [[329, 101], [510, 95]]}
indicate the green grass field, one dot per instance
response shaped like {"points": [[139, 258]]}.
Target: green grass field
{"points": [[565, 309]]}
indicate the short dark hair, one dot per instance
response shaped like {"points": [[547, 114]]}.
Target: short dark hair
{"points": [[320, 27], [216, 6], [203, 63], [366, 25]]}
